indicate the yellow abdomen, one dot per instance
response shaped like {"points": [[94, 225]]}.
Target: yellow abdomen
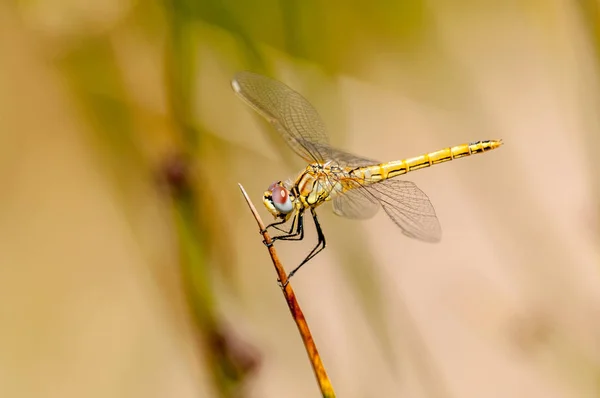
{"points": [[395, 168]]}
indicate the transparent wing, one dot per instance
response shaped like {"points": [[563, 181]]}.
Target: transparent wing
{"points": [[290, 113], [409, 208], [356, 204], [345, 159], [403, 201]]}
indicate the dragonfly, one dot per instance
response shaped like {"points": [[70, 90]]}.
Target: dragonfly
{"points": [[356, 186]]}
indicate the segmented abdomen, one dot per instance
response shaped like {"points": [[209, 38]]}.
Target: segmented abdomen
{"points": [[398, 167]]}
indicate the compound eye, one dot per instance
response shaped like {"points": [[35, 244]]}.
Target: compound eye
{"points": [[274, 185], [281, 199]]}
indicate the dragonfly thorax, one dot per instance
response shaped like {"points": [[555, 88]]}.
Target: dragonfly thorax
{"points": [[323, 168]]}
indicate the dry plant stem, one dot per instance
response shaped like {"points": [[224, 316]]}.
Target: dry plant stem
{"points": [[290, 298]]}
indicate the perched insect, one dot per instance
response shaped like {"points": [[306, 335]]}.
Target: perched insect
{"points": [[357, 186]]}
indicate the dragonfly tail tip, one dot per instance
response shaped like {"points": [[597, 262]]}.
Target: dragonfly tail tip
{"points": [[496, 143]]}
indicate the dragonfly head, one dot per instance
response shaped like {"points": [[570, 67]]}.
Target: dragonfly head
{"points": [[279, 200]]}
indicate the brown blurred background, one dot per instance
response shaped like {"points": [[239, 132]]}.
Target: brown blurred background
{"points": [[130, 265]]}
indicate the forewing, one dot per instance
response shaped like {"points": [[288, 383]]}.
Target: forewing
{"points": [[290, 113], [346, 159]]}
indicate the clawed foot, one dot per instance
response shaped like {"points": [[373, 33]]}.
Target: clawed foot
{"points": [[281, 285], [262, 232], [268, 244], [287, 280]]}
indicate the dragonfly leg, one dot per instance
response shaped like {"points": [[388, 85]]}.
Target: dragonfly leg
{"points": [[287, 234], [292, 226], [296, 235], [273, 225], [320, 245], [277, 223], [282, 230]]}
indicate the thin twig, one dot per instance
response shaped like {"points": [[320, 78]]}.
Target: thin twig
{"points": [[290, 298]]}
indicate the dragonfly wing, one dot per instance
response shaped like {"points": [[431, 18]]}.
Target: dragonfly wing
{"points": [[409, 208], [403, 201], [290, 113], [344, 159], [356, 204]]}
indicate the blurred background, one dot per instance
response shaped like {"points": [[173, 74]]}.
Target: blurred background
{"points": [[130, 265]]}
